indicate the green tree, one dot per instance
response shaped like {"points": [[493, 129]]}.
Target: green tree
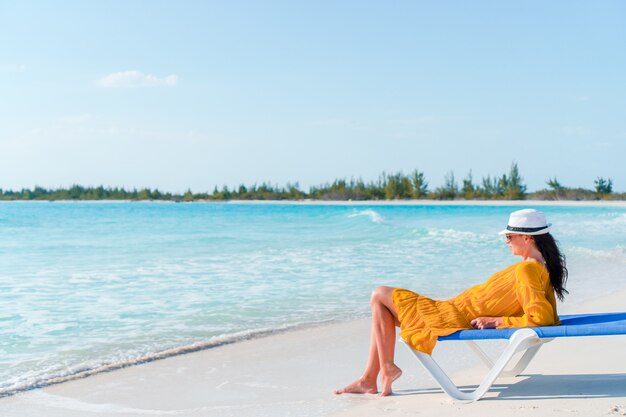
{"points": [[449, 190], [603, 186], [75, 192], [100, 193], [512, 186], [144, 194], [419, 184], [226, 194], [489, 187], [555, 188], [469, 190], [188, 196], [554, 184], [391, 186], [293, 192]]}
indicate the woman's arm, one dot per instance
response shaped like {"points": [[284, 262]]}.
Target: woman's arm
{"points": [[530, 290]]}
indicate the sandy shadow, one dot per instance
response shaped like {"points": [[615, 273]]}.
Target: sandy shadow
{"points": [[541, 387], [537, 387]]}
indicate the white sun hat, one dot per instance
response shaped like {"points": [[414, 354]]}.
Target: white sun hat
{"points": [[527, 222]]}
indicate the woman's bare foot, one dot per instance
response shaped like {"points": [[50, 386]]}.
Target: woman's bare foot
{"points": [[360, 386], [387, 378]]}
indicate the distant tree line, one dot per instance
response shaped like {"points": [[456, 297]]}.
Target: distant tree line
{"points": [[77, 192], [556, 191], [388, 186]]}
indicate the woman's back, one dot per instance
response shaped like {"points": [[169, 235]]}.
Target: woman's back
{"points": [[522, 294]]}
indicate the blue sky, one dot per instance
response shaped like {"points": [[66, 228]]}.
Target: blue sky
{"points": [[180, 95]]}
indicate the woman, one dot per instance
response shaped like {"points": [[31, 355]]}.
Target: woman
{"points": [[522, 295]]}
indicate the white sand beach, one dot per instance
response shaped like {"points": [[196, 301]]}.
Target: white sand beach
{"points": [[294, 373], [198, 199]]}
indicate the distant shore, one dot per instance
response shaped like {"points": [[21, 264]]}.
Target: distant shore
{"points": [[503, 203], [499, 203], [388, 187]]}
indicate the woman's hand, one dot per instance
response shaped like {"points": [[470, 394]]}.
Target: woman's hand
{"points": [[486, 322]]}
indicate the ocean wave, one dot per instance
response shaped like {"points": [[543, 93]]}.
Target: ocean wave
{"points": [[373, 215], [454, 234], [600, 224], [617, 253], [79, 371]]}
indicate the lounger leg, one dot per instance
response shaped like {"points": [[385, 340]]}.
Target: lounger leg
{"points": [[521, 340], [480, 353], [518, 368], [523, 362]]}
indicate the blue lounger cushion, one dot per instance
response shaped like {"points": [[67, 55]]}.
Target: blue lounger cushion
{"points": [[602, 324]]}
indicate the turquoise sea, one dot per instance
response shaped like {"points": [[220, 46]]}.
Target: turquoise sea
{"points": [[90, 286]]}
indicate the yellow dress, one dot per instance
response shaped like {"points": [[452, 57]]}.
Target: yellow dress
{"points": [[521, 294]]}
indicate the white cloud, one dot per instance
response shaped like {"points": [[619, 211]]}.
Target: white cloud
{"points": [[418, 120], [341, 124], [573, 131], [76, 119], [129, 79], [12, 68]]}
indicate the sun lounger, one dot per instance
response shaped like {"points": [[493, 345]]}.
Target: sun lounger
{"points": [[527, 340]]}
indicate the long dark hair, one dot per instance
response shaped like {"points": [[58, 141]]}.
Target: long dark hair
{"points": [[555, 262]]}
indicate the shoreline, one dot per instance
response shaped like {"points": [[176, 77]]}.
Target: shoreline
{"points": [[483, 203], [218, 342], [232, 339], [295, 371], [213, 343]]}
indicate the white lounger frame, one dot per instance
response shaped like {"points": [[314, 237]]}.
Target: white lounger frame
{"points": [[522, 340]]}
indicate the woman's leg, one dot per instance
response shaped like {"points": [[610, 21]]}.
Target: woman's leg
{"points": [[382, 345], [385, 320], [366, 384]]}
